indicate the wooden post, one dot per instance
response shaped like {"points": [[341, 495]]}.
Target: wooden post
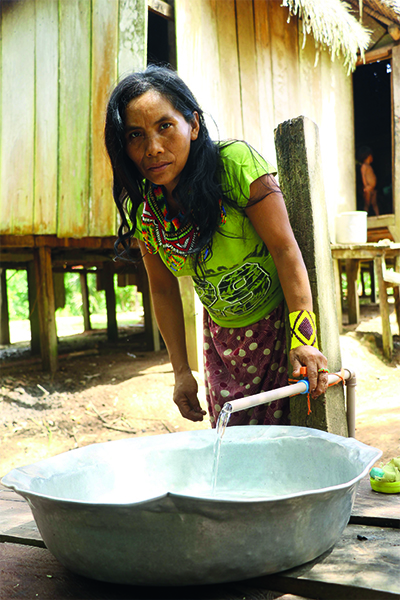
{"points": [[85, 301], [373, 286], [46, 306], [33, 309], [396, 293], [300, 177], [189, 312], [4, 318], [152, 335], [337, 272], [387, 340], [59, 290], [112, 327], [353, 303]]}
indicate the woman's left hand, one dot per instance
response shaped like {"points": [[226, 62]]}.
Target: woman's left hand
{"points": [[313, 359]]}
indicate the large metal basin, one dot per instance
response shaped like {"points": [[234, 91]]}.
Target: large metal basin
{"points": [[140, 511]]}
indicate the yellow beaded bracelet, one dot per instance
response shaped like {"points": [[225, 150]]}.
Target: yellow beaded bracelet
{"points": [[303, 331]]}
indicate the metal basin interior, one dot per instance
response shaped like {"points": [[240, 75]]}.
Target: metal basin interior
{"points": [[283, 497]]}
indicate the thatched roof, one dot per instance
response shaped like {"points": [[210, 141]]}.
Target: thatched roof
{"points": [[332, 26], [388, 9], [382, 16]]}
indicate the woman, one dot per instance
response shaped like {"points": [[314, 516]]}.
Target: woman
{"points": [[212, 211]]}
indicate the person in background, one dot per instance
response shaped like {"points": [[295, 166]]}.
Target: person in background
{"points": [[211, 210], [369, 181]]}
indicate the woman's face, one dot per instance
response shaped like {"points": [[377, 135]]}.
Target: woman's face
{"points": [[158, 138]]}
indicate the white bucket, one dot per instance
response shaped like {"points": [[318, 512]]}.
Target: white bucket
{"points": [[351, 227]]}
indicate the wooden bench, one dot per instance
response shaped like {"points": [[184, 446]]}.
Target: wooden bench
{"points": [[380, 253]]}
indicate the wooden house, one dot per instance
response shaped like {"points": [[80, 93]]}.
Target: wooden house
{"points": [[376, 96], [59, 63], [251, 63]]}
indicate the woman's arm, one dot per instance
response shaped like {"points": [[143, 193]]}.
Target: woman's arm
{"points": [[168, 309], [270, 219]]}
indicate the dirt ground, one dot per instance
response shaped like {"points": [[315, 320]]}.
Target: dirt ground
{"points": [[105, 392]]}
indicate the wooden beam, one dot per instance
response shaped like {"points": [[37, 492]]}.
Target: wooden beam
{"points": [[380, 221], [338, 286], [189, 313], [161, 8], [375, 55], [352, 271], [152, 335], [108, 282], [52, 241], [396, 293], [387, 339], [4, 317], [33, 309], [85, 300], [19, 257], [46, 305], [81, 257], [59, 290]]}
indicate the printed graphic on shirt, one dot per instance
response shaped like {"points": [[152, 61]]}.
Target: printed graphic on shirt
{"points": [[240, 290]]}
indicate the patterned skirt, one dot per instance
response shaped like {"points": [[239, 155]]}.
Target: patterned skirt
{"points": [[243, 361]]}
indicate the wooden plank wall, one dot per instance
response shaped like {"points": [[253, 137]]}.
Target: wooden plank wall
{"points": [[249, 68], [60, 60]]}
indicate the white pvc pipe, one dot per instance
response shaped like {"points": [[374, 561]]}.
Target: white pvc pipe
{"points": [[351, 384], [298, 388], [267, 397]]}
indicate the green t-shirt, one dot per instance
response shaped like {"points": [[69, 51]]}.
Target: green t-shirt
{"points": [[240, 284]]}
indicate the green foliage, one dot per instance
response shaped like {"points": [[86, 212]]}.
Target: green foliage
{"points": [[17, 289], [73, 298]]}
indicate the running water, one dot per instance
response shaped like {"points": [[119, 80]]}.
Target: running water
{"points": [[222, 423]]}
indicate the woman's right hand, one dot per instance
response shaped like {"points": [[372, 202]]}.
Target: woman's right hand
{"points": [[185, 397]]}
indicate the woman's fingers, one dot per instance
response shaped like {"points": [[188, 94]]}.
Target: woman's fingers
{"points": [[193, 413], [185, 397], [316, 363]]}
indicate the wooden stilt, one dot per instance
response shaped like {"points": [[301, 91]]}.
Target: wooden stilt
{"points": [[352, 271], [396, 293], [387, 340], [112, 327], [46, 306], [189, 310], [33, 309], [152, 335], [85, 300], [59, 290], [373, 286], [338, 286], [4, 317]]}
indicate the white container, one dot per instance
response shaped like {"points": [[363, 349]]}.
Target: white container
{"points": [[351, 227]]}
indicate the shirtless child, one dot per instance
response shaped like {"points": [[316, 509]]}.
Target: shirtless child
{"points": [[368, 180]]}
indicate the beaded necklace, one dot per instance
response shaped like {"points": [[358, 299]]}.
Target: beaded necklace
{"points": [[160, 230]]}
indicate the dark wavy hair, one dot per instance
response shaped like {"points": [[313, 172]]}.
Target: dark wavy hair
{"points": [[363, 153], [198, 178]]}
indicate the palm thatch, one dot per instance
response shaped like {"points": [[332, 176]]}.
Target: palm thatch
{"points": [[333, 27], [390, 9], [386, 11]]}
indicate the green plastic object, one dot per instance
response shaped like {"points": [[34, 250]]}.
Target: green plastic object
{"points": [[386, 479]]}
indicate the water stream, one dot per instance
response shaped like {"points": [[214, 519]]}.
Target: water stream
{"points": [[222, 423]]}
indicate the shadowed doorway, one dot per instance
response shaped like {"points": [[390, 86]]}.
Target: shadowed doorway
{"points": [[373, 128]]}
